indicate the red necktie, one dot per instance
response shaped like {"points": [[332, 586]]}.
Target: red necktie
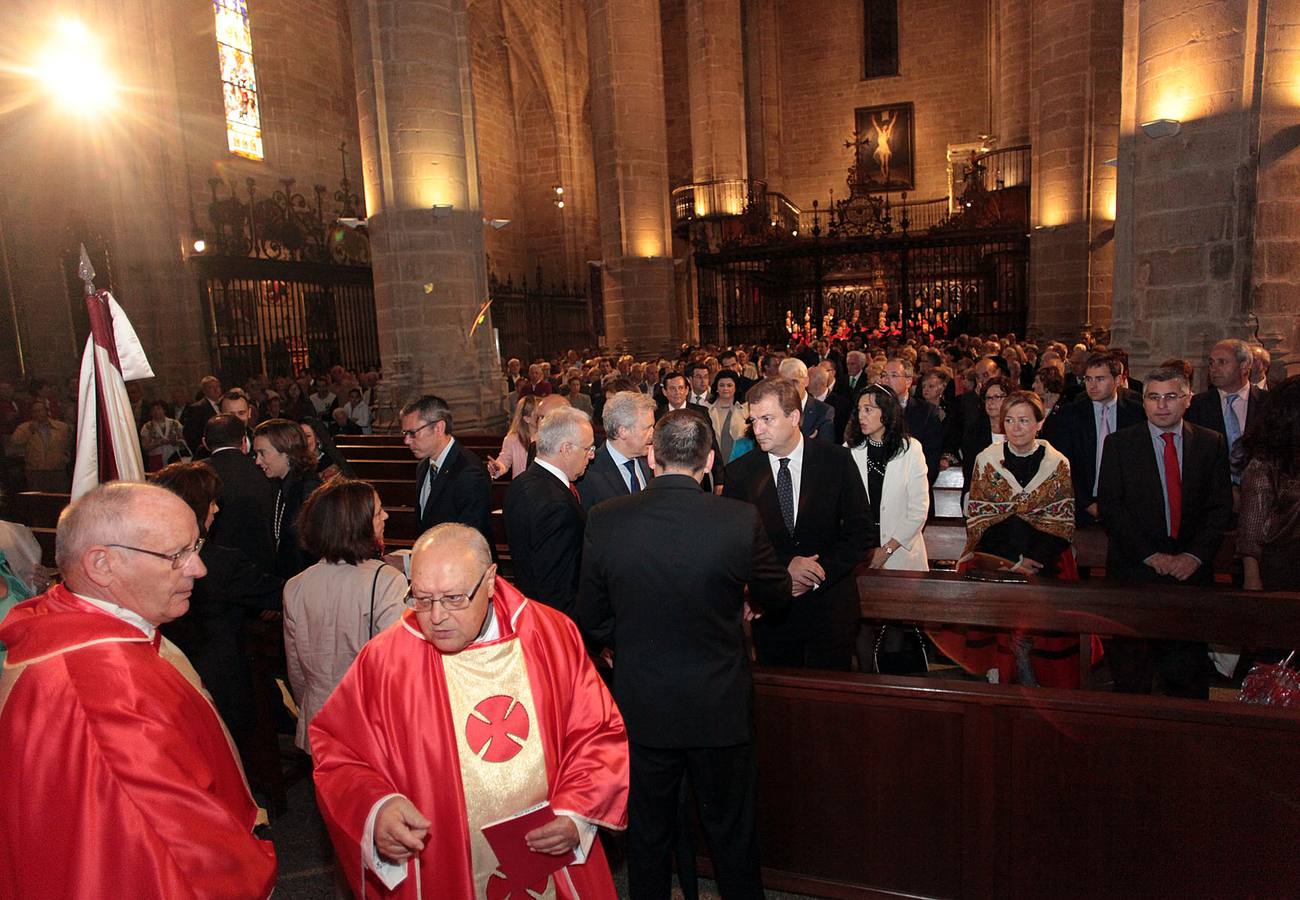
{"points": [[1173, 484], [573, 489]]}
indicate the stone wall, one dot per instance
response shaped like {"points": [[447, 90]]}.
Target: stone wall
{"points": [[944, 71]]}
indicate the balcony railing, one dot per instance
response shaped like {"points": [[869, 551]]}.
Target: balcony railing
{"points": [[715, 199], [1004, 168]]}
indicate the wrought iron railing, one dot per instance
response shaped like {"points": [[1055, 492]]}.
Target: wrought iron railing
{"points": [[1004, 168], [536, 320]]}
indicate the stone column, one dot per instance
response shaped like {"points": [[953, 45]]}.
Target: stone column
{"points": [[1074, 125], [416, 116], [763, 92], [1208, 216], [716, 63], [630, 138]]}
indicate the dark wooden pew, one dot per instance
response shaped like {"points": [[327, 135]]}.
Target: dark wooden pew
{"points": [[878, 786]]}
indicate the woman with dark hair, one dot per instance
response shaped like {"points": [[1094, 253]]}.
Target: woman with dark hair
{"points": [[985, 428], [212, 633], [281, 452], [1268, 529], [1049, 384], [335, 606], [1021, 517], [894, 472], [727, 415]]}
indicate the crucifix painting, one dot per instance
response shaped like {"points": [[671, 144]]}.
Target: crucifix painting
{"points": [[885, 140]]}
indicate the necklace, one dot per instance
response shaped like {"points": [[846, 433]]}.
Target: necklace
{"points": [[279, 514]]}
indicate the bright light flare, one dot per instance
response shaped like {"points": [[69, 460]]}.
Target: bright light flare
{"points": [[72, 69]]}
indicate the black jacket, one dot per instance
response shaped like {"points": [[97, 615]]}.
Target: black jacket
{"points": [[923, 424], [1133, 506], [817, 420], [544, 524], [717, 475], [663, 582], [603, 479], [832, 521], [294, 489], [246, 508], [1077, 431], [461, 492]]}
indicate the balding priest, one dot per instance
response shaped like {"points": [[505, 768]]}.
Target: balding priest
{"points": [[117, 778], [477, 706]]}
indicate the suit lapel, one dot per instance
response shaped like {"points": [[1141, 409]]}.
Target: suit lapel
{"points": [[440, 481], [769, 506]]}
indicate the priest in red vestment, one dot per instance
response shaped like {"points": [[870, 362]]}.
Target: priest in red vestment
{"points": [[117, 776], [478, 705]]}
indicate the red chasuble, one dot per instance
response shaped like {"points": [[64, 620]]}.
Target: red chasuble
{"points": [[471, 738], [117, 776]]}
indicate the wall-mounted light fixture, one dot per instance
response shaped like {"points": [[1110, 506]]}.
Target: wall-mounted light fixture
{"points": [[200, 245], [442, 210], [1113, 162], [559, 196], [1161, 128], [497, 224]]}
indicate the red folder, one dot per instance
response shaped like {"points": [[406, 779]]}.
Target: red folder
{"points": [[523, 868]]}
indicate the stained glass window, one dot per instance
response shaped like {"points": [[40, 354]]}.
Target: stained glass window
{"points": [[238, 81]]}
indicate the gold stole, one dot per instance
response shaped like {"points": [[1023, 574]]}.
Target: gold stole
{"points": [[502, 763]]}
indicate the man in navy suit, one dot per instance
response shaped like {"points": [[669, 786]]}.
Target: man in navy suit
{"points": [[452, 484], [813, 506], [544, 517], [677, 396], [1165, 498], [821, 385], [817, 419], [1087, 423], [1229, 400], [620, 468]]}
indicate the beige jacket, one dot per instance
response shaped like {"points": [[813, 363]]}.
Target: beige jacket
{"points": [[327, 621]]}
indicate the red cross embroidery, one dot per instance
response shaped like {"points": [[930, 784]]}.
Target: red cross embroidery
{"points": [[499, 888], [497, 728]]}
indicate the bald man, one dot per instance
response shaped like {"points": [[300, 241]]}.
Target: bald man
{"points": [[479, 704], [119, 777]]}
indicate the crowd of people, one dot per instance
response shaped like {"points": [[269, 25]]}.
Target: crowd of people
{"points": [[662, 518]]}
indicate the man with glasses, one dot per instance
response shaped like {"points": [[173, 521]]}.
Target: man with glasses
{"points": [[1165, 498], [120, 779], [479, 706], [452, 484], [922, 417], [543, 511]]}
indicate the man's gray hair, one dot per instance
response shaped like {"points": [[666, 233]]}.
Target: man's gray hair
{"points": [[106, 514], [909, 367], [560, 427], [793, 368], [857, 354], [621, 411], [1240, 349], [431, 410], [1168, 373]]}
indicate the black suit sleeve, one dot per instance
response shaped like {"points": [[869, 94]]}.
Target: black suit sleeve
{"points": [[1113, 501], [472, 491], [1204, 543], [594, 613], [769, 581], [555, 553], [857, 533], [234, 579]]}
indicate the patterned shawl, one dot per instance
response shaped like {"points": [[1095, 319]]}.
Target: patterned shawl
{"points": [[1046, 503]]}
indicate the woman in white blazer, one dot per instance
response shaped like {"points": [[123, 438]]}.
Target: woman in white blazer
{"points": [[893, 470]]}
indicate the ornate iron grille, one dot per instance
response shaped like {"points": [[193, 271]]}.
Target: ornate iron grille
{"points": [[535, 322]]}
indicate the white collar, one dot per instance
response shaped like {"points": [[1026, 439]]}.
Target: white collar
{"points": [[121, 612], [795, 456], [554, 470], [1243, 393], [442, 457]]}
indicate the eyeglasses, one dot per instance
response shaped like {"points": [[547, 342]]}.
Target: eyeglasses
{"points": [[1162, 399], [177, 559], [449, 602], [412, 432], [994, 397]]}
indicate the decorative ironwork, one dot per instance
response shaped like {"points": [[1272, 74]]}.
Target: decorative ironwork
{"points": [[537, 320], [287, 225]]}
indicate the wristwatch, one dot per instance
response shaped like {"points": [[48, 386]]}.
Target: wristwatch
{"points": [[889, 551]]}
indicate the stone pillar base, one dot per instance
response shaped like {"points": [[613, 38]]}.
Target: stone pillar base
{"points": [[638, 295]]}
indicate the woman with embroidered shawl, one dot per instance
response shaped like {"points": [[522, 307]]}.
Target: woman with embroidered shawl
{"points": [[1021, 517]]}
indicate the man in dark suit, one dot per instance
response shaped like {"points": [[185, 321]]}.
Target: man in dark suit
{"points": [[855, 378], [922, 419], [452, 484], [196, 415], [675, 622], [813, 507], [1230, 399], [1165, 498], [544, 517], [676, 394], [817, 420], [620, 466], [1085, 425], [821, 386], [246, 504]]}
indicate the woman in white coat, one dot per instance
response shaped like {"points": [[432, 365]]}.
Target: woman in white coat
{"points": [[893, 470]]}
